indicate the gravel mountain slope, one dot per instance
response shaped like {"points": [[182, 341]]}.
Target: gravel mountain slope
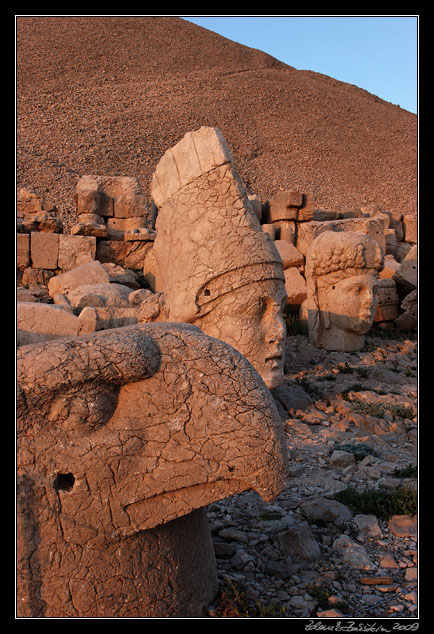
{"points": [[109, 95]]}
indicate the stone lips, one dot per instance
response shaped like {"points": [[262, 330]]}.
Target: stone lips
{"points": [[130, 88]]}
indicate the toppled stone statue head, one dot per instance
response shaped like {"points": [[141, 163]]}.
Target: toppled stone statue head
{"points": [[217, 268], [341, 273]]}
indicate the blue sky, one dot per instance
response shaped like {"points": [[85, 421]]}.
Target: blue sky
{"points": [[376, 53]]}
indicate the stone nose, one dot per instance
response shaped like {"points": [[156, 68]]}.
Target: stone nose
{"points": [[276, 330]]}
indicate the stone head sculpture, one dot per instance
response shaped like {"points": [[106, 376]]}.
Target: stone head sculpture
{"points": [[217, 268], [341, 275], [123, 437]]}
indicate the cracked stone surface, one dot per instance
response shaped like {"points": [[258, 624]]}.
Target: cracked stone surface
{"points": [[217, 268], [120, 432], [341, 278]]}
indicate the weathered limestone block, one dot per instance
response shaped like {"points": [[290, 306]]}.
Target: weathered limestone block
{"points": [[341, 275], [408, 320], [42, 322], [99, 295], [324, 214], [36, 277], [23, 250], [406, 274], [152, 308], [30, 202], [410, 228], [120, 275], [391, 242], [130, 255], [126, 224], [256, 204], [308, 231], [387, 300], [123, 437], [129, 205], [91, 218], [295, 286], [269, 228], [290, 255], [119, 196], [390, 267], [130, 235], [33, 295], [75, 250], [284, 205], [286, 230], [107, 317], [89, 229], [89, 273], [307, 209], [218, 269], [44, 250], [150, 270]]}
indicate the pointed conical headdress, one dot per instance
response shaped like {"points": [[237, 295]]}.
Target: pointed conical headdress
{"points": [[209, 241]]}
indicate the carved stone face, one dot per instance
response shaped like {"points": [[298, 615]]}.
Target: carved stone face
{"points": [[217, 268], [341, 278], [251, 320], [351, 302]]}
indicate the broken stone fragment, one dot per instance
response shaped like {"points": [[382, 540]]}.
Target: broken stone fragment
{"points": [[284, 205], [38, 322], [289, 254], [89, 273], [387, 300], [406, 274], [295, 286], [99, 295]]}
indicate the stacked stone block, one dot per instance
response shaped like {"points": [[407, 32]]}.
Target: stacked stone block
{"points": [[113, 229], [292, 220]]}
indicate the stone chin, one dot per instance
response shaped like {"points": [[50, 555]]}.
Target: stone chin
{"points": [[273, 376]]}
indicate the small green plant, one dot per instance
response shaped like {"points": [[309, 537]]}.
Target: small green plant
{"points": [[355, 387], [360, 450], [379, 409], [233, 603], [380, 502], [346, 368], [410, 471], [268, 517], [294, 325], [363, 373], [327, 377], [321, 593], [307, 387]]}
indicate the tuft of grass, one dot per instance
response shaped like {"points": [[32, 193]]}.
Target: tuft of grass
{"points": [[362, 373], [410, 471], [345, 369], [380, 502], [355, 387], [307, 387], [267, 517], [322, 593], [378, 409], [294, 325], [360, 450], [233, 603]]}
